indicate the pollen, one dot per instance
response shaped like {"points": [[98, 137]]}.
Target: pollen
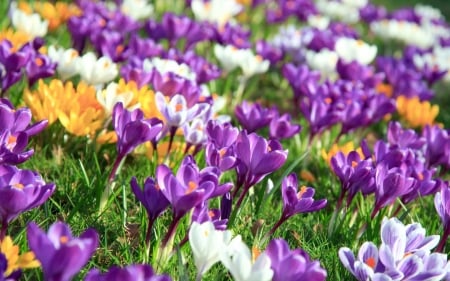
{"points": [[119, 49], [255, 253], [211, 214], [63, 239], [222, 152], [302, 191], [18, 185], [178, 107], [328, 100], [371, 262], [39, 61], [191, 187]]}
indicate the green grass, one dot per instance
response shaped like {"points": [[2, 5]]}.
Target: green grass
{"points": [[80, 170]]}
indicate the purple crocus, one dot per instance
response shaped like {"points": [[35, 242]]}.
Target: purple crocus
{"points": [[257, 158], [437, 150], [292, 265], [203, 214], [141, 272], [60, 253], [11, 63], [219, 149], [39, 66], [20, 191], [153, 200], [442, 205], [390, 184], [354, 173], [404, 254], [253, 117], [282, 127], [296, 201], [132, 130], [189, 188], [15, 130]]}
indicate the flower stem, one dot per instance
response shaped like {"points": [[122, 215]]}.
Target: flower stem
{"points": [[111, 183], [282, 219], [170, 232], [441, 245], [3, 229]]}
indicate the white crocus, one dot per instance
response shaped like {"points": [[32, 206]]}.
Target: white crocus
{"points": [[96, 71], [66, 61], [289, 38], [338, 10], [207, 243], [349, 49], [318, 21], [215, 11], [229, 56], [110, 96], [238, 260], [427, 12], [324, 61], [165, 66], [252, 64], [406, 32], [137, 9], [31, 24], [176, 112]]}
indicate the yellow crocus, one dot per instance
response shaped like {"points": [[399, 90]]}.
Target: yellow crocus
{"points": [[56, 14], [417, 113], [44, 102], [345, 148], [79, 112], [14, 260], [17, 38]]}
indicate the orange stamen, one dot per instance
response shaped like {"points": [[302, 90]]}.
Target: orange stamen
{"points": [[371, 262], [302, 191], [39, 61], [64, 239], [18, 185], [191, 187], [178, 107]]}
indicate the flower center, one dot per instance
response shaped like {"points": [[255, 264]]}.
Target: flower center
{"points": [[302, 191], [371, 262], [39, 61], [178, 107], [11, 142], [18, 185], [63, 239], [191, 187]]}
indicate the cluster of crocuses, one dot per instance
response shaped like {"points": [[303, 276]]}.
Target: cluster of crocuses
{"points": [[164, 91], [406, 167]]}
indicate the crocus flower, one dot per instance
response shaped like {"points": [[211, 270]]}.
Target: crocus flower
{"points": [[404, 254], [60, 253], [296, 201], [238, 260], [219, 149], [281, 127], [202, 214], [11, 263], [132, 129], [31, 24], [207, 244], [292, 265], [96, 71], [189, 188], [253, 116], [141, 272], [437, 151], [349, 50], [390, 184], [66, 61], [257, 158], [15, 131], [409, 109], [20, 191], [153, 200], [442, 205], [137, 10]]}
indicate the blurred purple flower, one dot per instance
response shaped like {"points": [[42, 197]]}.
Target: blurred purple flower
{"points": [[15, 130], [20, 191], [136, 272], [153, 200], [292, 265], [257, 158], [253, 117], [61, 255], [220, 150], [437, 150], [282, 128], [442, 205]]}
